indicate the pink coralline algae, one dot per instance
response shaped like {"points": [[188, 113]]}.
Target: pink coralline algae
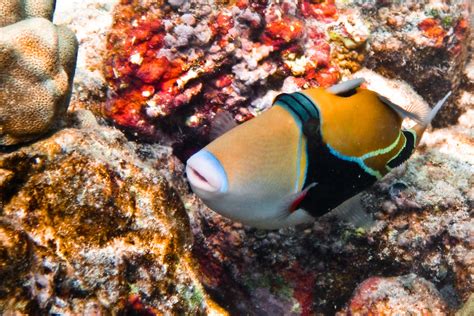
{"points": [[172, 68]]}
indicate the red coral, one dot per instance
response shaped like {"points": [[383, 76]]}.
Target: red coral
{"points": [[359, 301], [303, 283], [282, 31], [135, 306], [152, 70], [325, 77], [321, 55], [148, 82], [224, 81], [320, 10], [433, 30], [224, 22]]}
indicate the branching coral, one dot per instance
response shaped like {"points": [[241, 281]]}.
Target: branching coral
{"points": [[37, 62]]}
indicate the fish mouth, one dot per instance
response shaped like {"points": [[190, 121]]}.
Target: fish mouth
{"points": [[206, 174], [199, 181]]}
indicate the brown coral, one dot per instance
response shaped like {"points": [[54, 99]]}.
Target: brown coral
{"points": [[37, 62], [104, 233], [12, 11]]}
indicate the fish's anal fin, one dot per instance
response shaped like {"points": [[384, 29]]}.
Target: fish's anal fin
{"points": [[222, 123], [353, 212], [346, 86]]}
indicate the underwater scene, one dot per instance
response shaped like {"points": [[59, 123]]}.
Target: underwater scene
{"points": [[236, 157]]}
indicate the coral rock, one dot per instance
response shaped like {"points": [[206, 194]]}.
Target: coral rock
{"points": [[37, 61], [183, 53], [428, 49], [86, 225], [407, 294], [12, 11]]}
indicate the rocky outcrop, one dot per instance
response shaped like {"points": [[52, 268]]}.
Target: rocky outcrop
{"points": [[406, 294], [87, 227], [37, 62], [425, 45], [172, 68]]}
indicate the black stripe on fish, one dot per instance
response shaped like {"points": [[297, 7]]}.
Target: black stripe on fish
{"points": [[406, 151], [299, 104], [337, 179], [308, 104], [291, 108], [292, 96]]}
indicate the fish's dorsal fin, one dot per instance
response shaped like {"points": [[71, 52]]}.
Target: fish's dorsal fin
{"points": [[221, 124], [346, 86], [419, 112], [352, 211]]}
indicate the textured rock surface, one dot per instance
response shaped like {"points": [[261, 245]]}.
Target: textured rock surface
{"points": [[87, 227], [91, 26], [425, 45], [403, 295], [37, 62]]}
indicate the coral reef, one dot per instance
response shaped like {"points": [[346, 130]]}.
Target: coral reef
{"points": [[424, 45], [91, 223], [172, 67], [37, 61], [407, 294], [87, 227]]}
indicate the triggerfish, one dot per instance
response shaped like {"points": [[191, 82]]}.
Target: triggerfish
{"points": [[312, 152]]}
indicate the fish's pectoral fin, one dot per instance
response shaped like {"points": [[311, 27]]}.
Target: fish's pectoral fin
{"points": [[291, 202], [352, 211], [222, 123], [346, 86]]}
